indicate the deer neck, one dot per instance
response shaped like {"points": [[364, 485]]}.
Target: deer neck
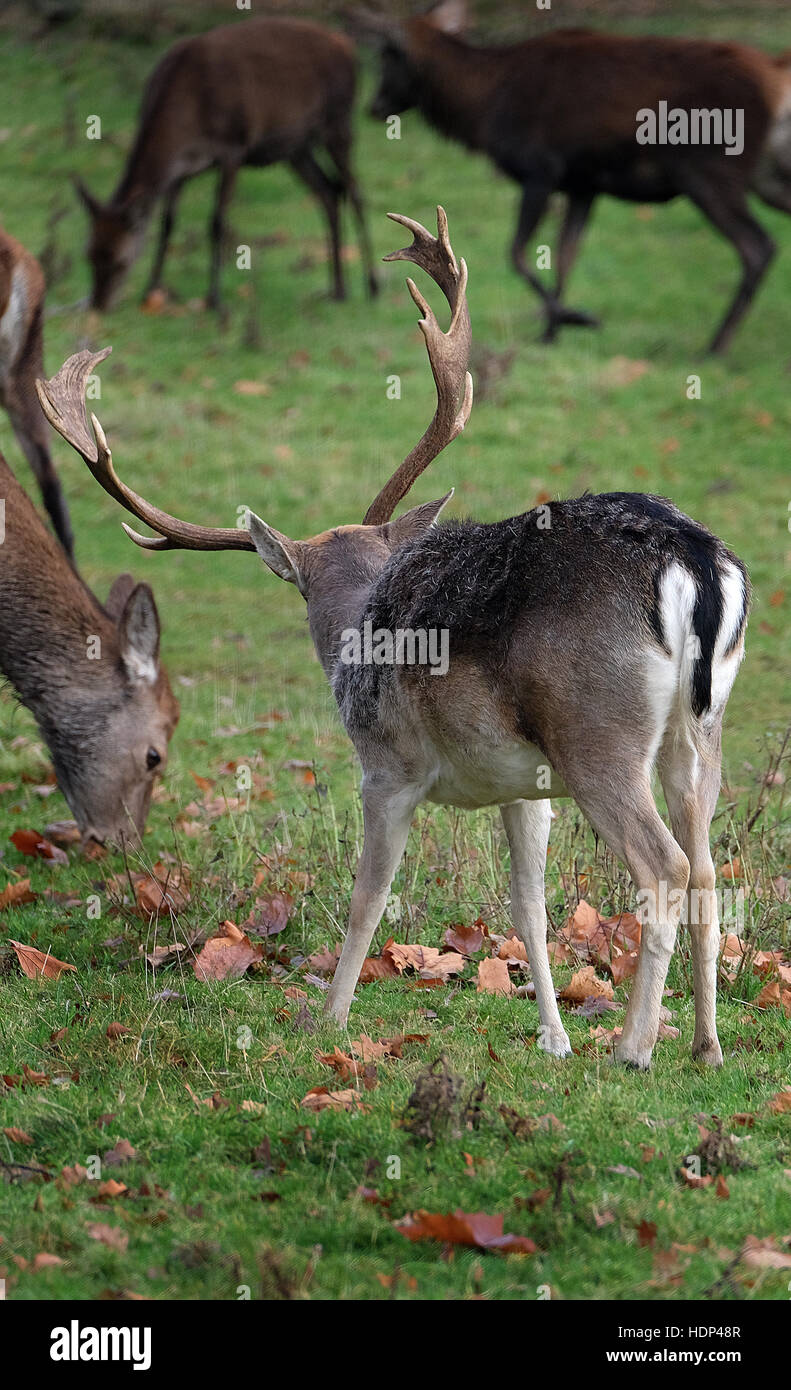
{"points": [[457, 83], [147, 175], [330, 615]]}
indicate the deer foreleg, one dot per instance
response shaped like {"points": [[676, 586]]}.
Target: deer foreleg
{"points": [[165, 230], [225, 185], [387, 815], [527, 827]]}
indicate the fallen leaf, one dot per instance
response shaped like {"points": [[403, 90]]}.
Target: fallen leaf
{"points": [[764, 1254], [585, 982], [17, 1136], [320, 1098], [111, 1236], [476, 1229], [428, 961], [646, 1233], [15, 894], [773, 996], [228, 955], [493, 977], [116, 1030], [30, 842], [692, 1180], [46, 1261], [35, 963], [122, 1152], [466, 940], [780, 1103]]}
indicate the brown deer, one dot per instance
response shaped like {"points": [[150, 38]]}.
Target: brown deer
{"points": [[22, 291], [585, 642], [578, 111], [89, 673], [252, 93]]}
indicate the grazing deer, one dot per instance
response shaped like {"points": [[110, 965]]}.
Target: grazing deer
{"points": [[568, 111], [588, 641], [89, 673], [21, 361], [250, 93]]}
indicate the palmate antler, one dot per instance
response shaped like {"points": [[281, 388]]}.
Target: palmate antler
{"points": [[448, 354], [63, 402]]}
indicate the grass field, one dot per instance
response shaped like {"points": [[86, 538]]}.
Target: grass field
{"points": [[252, 1189]]}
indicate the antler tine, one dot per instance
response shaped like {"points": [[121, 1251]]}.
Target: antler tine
{"points": [[448, 354], [63, 402]]}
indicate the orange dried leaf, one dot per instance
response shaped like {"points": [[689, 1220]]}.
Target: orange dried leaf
{"points": [[35, 963], [493, 977]]}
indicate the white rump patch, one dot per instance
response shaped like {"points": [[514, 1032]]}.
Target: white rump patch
{"points": [[724, 668]]}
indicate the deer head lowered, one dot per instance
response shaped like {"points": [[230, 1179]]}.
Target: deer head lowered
{"points": [[586, 641], [89, 672]]}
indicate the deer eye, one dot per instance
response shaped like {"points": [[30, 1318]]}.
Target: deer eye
{"points": [[152, 758]]}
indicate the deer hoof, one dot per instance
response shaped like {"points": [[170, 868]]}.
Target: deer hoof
{"points": [[336, 1011], [554, 1041], [709, 1053], [631, 1055], [579, 317]]}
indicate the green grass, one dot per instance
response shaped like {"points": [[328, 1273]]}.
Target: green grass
{"points": [[311, 453]]}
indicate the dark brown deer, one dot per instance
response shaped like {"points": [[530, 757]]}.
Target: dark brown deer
{"points": [[22, 292], [567, 111], [586, 641], [252, 93], [89, 673]]}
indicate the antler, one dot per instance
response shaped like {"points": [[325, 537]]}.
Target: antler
{"points": [[447, 354], [63, 402]]}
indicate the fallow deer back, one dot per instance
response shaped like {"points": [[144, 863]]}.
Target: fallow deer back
{"points": [[576, 646], [587, 114], [22, 292], [252, 93], [89, 673]]}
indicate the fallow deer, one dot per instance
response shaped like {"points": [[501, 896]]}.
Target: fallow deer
{"points": [[589, 640], [567, 111], [252, 93], [22, 291], [89, 673]]}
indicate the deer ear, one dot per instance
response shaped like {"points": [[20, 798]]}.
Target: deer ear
{"points": [[138, 632], [450, 16], [413, 523], [275, 549], [118, 596], [92, 205]]}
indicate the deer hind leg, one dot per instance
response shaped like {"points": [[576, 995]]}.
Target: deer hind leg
{"points": [[328, 191], [727, 210], [527, 827], [690, 778], [31, 430], [387, 815], [225, 186], [578, 209], [622, 810], [339, 147]]}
